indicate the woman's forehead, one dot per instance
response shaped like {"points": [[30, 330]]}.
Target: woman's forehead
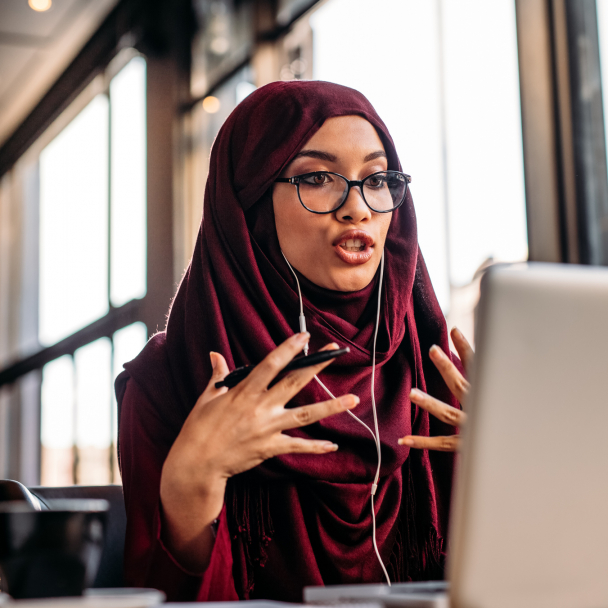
{"points": [[350, 135], [341, 133]]}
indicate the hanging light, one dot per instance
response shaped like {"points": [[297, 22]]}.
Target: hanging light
{"points": [[211, 104], [40, 5]]}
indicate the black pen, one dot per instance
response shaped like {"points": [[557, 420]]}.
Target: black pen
{"points": [[240, 373]]}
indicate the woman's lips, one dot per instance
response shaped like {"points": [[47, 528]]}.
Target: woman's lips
{"points": [[354, 257], [354, 248]]}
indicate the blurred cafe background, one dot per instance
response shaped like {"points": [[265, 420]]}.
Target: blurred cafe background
{"points": [[108, 111]]}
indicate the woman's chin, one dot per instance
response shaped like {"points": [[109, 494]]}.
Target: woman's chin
{"points": [[351, 279]]}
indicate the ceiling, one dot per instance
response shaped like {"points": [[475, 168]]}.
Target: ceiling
{"points": [[35, 48]]}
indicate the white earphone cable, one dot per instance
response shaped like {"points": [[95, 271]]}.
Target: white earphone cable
{"points": [[302, 318], [376, 435]]}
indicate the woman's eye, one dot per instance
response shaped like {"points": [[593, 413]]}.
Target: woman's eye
{"points": [[376, 182], [318, 179]]}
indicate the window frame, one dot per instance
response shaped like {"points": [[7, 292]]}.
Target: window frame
{"points": [[165, 79]]}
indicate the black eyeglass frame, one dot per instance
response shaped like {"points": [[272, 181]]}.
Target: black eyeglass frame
{"points": [[295, 181]]}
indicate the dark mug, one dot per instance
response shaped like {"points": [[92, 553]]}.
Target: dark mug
{"points": [[50, 553]]}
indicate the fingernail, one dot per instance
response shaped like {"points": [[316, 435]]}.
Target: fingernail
{"points": [[457, 331], [415, 393], [346, 401], [331, 447], [436, 350], [213, 357], [406, 441], [302, 337]]}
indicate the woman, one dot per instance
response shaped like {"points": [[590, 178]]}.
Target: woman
{"points": [[231, 494]]}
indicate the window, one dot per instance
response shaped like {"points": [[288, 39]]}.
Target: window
{"points": [[128, 183], [78, 425], [454, 114], [202, 125], [74, 225], [92, 261], [77, 206]]}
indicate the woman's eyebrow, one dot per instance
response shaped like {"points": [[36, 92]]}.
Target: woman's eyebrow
{"points": [[375, 155], [332, 158], [317, 154]]}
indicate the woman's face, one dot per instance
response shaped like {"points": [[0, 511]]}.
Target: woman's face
{"points": [[316, 245]]}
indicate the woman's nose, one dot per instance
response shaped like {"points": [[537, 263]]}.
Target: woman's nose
{"points": [[354, 209]]}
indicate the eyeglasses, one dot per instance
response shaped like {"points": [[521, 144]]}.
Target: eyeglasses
{"points": [[326, 192]]}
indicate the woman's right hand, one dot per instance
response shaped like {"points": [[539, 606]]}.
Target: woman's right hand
{"points": [[228, 432]]}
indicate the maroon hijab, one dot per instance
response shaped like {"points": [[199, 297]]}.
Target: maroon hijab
{"points": [[239, 298]]}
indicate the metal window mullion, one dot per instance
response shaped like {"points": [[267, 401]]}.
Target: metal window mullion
{"points": [[111, 447], [589, 141], [113, 421], [75, 451], [444, 145], [539, 137], [109, 234]]}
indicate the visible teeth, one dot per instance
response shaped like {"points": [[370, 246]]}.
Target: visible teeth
{"points": [[353, 245]]}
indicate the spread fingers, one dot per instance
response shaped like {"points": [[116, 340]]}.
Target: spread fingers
{"points": [[449, 443], [453, 378], [463, 348], [444, 412], [307, 414]]}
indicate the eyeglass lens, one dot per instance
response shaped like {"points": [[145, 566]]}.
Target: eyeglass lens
{"points": [[324, 192]]}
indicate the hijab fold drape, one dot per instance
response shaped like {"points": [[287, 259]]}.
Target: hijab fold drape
{"points": [[239, 298]]}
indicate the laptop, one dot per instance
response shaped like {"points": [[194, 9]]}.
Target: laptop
{"points": [[530, 514]]}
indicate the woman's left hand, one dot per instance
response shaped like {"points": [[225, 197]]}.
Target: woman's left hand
{"points": [[459, 386]]}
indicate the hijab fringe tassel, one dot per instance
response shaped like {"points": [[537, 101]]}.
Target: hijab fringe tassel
{"points": [[417, 553], [250, 523]]}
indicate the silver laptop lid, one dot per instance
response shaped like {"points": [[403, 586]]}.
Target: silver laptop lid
{"points": [[530, 520]]}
